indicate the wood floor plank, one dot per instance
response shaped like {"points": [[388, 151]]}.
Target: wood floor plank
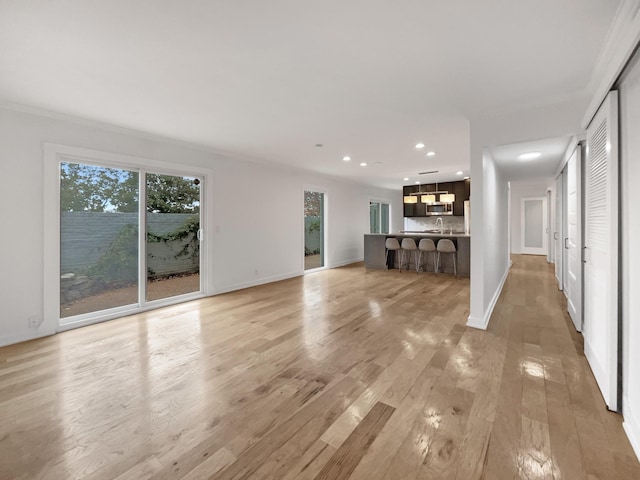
{"points": [[451, 408], [310, 464], [534, 459], [345, 373], [563, 435], [344, 461], [473, 452], [380, 455]]}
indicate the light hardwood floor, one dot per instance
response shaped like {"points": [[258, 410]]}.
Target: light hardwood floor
{"points": [[345, 373]]}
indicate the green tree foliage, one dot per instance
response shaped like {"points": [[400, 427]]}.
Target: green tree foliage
{"points": [[171, 194], [312, 204], [89, 188]]}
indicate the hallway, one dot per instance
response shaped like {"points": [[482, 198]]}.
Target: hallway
{"points": [[344, 373], [551, 421]]}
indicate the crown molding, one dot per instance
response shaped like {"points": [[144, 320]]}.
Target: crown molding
{"points": [[220, 154], [620, 43]]}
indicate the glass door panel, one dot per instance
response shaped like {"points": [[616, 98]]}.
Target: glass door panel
{"points": [[173, 235], [384, 218], [98, 238], [374, 217], [313, 230], [378, 217]]}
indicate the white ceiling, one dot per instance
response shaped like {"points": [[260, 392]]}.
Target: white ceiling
{"points": [[551, 152], [270, 79]]}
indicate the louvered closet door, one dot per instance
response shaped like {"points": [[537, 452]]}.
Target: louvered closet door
{"points": [[600, 327]]}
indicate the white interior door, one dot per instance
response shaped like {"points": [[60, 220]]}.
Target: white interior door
{"points": [[534, 225], [600, 326], [573, 240], [557, 231]]}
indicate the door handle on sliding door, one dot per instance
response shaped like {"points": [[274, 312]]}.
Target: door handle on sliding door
{"points": [[555, 235], [565, 243]]}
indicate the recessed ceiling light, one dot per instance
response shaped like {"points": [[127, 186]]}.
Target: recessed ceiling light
{"points": [[529, 156], [346, 158], [419, 145], [417, 182], [363, 164], [430, 154], [459, 172], [406, 179]]}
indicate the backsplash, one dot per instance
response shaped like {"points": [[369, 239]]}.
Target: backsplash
{"points": [[429, 223]]}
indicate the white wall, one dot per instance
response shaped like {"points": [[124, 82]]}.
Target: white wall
{"points": [[250, 235], [495, 234], [520, 190], [489, 240], [630, 235]]}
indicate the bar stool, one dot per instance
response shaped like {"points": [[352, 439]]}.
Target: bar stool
{"points": [[446, 246], [409, 245], [390, 244], [426, 245]]}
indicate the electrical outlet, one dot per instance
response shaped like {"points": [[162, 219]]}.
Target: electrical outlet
{"points": [[35, 321]]}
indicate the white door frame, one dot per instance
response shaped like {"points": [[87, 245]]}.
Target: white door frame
{"points": [[325, 227], [558, 233], [523, 248], [549, 231], [573, 239], [380, 201], [54, 154]]}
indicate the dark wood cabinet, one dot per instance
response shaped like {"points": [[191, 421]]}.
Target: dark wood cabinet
{"points": [[461, 189]]}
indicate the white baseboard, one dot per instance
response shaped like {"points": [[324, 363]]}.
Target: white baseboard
{"points": [[346, 262], [23, 337], [482, 323], [255, 283], [631, 426], [277, 278]]}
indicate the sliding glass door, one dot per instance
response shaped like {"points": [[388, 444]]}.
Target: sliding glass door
{"points": [[127, 237], [99, 221], [173, 235], [313, 229], [378, 217]]}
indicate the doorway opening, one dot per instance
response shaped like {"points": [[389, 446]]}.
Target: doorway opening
{"points": [[314, 229], [378, 217]]}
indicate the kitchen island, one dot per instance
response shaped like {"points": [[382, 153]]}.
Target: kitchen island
{"points": [[374, 250]]}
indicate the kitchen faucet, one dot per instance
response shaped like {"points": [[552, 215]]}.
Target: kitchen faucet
{"points": [[441, 224]]}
